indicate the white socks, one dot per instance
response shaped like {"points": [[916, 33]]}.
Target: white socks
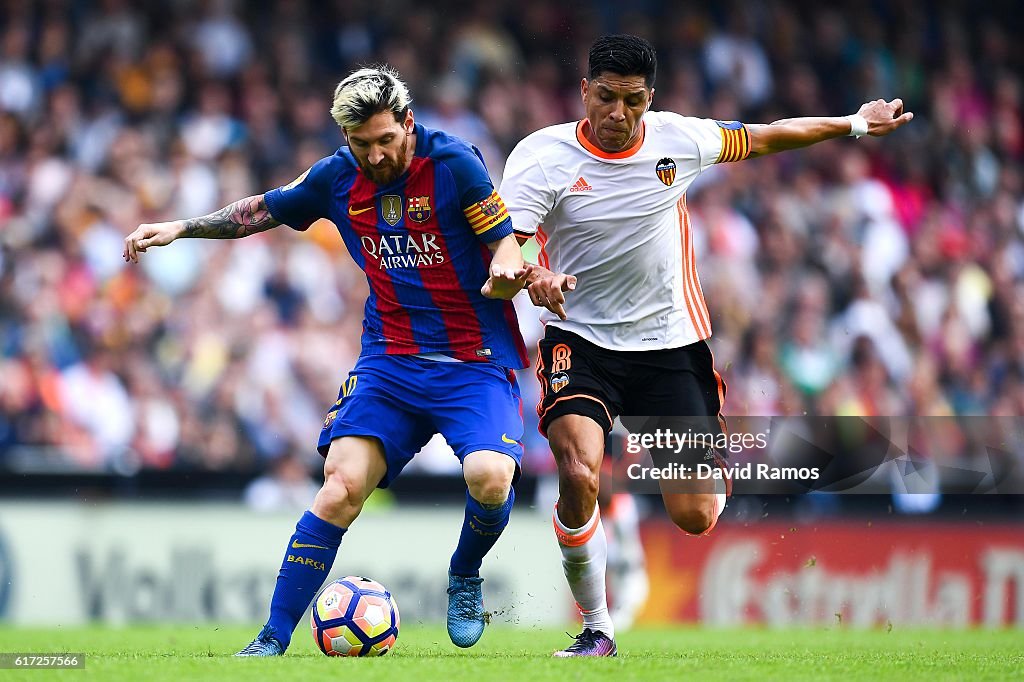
{"points": [[584, 558]]}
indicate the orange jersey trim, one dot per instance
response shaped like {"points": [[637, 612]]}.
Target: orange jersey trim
{"points": [[597, 151], [543, 385], [542, 241], [695, 305], [694, 280], [722, 390], [584, 396]]}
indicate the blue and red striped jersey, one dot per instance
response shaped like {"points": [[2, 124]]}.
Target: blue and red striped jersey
{"points": [[422, 242]]}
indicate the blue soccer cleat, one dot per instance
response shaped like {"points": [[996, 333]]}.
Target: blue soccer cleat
{"points": [[465, 610], [589, 643], [264, 645]]}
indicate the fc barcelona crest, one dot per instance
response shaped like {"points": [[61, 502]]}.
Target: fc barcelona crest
{"points": [[419, 208], [666, 170], [489, 207], [391, 208]]}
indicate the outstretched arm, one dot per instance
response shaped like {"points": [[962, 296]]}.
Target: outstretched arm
{"points": [[507, 274], [240, 219], [879, 117], [547, 289]]}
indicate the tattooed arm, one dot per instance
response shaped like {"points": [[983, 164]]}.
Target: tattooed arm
{"points": [[240, 219]]}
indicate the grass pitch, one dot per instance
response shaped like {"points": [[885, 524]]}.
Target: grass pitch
{"points": [[177, 654]]}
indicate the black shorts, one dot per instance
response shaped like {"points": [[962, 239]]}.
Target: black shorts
{"points": [[579, 377]]}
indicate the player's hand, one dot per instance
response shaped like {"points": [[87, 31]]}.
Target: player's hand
{"points": [[884, 117], [547, 290], [147, 235], [505, 283]]}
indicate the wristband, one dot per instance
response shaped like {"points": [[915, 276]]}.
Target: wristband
{"points": [[858, 125]]}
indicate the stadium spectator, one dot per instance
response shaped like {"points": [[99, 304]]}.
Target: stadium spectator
{"points": [[115, 113]]}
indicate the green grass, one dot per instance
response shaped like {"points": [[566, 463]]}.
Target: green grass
{"points": [[180, 654]]}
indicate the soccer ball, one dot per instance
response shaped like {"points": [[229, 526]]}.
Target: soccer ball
{"points": [[355, 616]]}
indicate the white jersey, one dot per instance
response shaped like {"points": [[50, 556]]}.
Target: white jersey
{"points": [[618, 222]]}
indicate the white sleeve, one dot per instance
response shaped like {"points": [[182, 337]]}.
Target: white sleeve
{"points": [[715, 141], [720, 141], [706, 134], [525, 189]]}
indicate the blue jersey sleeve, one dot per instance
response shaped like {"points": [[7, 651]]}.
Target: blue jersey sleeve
{"points": [[305, 200], [480, 203]]}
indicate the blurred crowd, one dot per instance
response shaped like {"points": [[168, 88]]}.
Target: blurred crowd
{"points": [[869, 277]]}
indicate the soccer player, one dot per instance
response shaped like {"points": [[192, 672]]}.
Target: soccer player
{"points": [[605, 197], [440, 337]]}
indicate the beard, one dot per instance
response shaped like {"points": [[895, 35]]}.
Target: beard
{"points": [[387, 171]]}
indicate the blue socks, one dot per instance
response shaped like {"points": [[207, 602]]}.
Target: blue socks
{"points": [[480, 530], [311, 551], [307, 561]]}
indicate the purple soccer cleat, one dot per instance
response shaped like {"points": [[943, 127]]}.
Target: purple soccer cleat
{"points": [[589, 643]]}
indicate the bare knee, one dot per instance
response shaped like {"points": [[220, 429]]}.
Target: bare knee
{"points": [[353, 468], [577, 479], [341, 498], [697, 516], [488, 476]]}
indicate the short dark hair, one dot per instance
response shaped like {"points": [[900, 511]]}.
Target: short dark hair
{"points": [[624, 55]]}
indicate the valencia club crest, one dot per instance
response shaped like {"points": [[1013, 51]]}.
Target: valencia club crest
{"points": [[666, 170]]}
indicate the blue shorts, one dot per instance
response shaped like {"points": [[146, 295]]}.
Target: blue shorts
{"points": [[404, 400]]}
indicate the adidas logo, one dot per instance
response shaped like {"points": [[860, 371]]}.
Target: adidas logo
{"points": [[580, 185]]}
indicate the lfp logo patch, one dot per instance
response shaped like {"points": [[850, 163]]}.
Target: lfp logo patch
{"points": [[666, 170], [329, 419], [419, 208]]}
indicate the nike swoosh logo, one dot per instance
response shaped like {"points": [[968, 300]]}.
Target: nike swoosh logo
{"points": [[298, 545], [352, 211], [506, 439]]}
